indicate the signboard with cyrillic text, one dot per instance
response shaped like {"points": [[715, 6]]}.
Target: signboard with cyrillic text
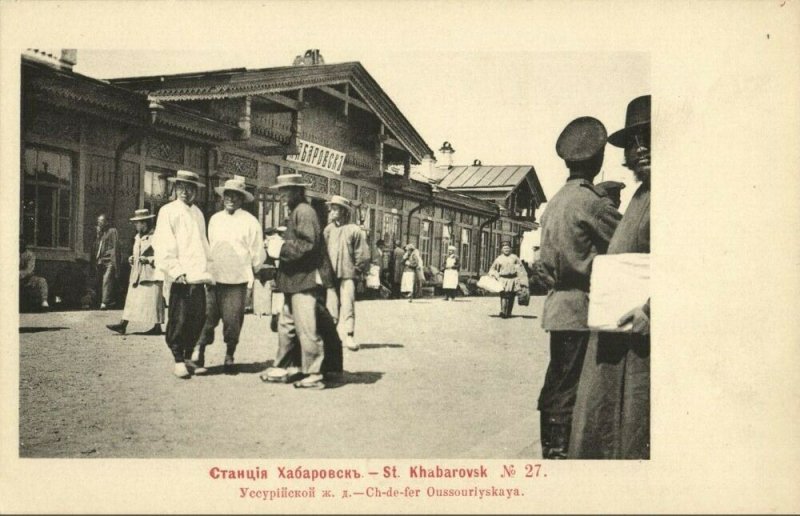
{"points": [[318, 156]]}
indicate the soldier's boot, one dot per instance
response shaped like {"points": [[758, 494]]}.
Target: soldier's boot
{"points": [[555, 432]]}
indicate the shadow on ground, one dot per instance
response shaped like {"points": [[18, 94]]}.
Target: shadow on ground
{"points": [[495, 316], [336, 380], [378, 346], [41, 329], [251, 368]]}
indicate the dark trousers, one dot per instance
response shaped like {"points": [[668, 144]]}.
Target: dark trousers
{"points": [[567, 351], [507, 303], [105, 276], [223, 302], [187, 313], [557, 398], [331, 342]]}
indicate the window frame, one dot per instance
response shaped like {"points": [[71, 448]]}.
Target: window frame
{"points": [[55, 217]]}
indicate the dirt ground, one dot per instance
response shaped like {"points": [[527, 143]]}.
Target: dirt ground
{"points": [[433, 379]]}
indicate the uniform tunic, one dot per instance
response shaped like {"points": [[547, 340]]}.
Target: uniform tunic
{"points": [[576, 226], [612, 410]]}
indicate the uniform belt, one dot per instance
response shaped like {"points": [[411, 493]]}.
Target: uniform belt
{"points": [[508, 275]]}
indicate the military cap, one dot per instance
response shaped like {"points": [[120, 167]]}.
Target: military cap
{"points": [[609, 186], [583, 138]]}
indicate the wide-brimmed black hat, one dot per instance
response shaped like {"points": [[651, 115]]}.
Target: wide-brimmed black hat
{"points": [[581, 139], [637, 117]]}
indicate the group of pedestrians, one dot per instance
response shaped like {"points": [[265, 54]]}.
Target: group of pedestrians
{"points": [[205, 276], [595, 401]]}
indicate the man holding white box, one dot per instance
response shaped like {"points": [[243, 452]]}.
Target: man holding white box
{"points": [[612, 410]]}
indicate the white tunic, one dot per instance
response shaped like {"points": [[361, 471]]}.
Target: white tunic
{"points": [[180, 242], [237, 246]]}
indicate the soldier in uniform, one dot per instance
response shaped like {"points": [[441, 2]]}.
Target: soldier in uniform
{"points": [[576, 226], [612, 410]]}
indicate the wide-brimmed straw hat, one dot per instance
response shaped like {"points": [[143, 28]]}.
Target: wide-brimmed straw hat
{"points": [[143, 214], [637, 118], [338, 200], [275, 231], [289, 180], [451, 248], [236, 184], [186, 176]]}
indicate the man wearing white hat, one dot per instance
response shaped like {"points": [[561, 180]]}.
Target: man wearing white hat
{"points": [[303, 273], [182, 254], [234, 236], [350, 257]]}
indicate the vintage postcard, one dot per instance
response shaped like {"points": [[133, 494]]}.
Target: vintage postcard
{"points": [[336, 257]]}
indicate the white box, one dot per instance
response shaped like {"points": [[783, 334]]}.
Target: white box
{"points": [[620, 283]]}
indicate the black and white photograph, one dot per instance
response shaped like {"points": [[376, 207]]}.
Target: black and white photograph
{"points": [[346, 258]]}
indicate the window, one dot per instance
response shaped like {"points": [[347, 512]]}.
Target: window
{"points": [[445, 240], [272, 212], [465, 233], [368, 221], [47, 198], [425, 241], [391, 228], [486, 251], [157, 192]]}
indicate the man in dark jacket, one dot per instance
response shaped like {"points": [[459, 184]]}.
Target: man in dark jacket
{"points": [[106, 260], [576, 226], [303, 274]]}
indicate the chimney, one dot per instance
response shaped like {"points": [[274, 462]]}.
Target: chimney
{"points": [[447, 152], [69, 57], [63, 59], [428, 166], [311, 57]]}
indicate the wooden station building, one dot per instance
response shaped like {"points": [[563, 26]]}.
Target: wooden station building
{"points": [[92, 146]]}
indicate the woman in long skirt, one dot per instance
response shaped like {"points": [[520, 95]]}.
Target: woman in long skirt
{"points": [[412, 273], [509, 271], [144, 303], [450, 277]]}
